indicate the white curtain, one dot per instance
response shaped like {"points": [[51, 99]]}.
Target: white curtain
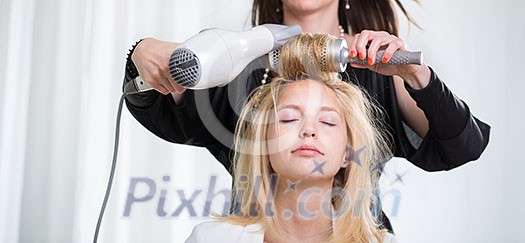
{"points": [[61, 69], [62, 65]]}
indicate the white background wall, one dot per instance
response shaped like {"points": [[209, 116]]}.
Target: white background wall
{"points": [[61, 67]]}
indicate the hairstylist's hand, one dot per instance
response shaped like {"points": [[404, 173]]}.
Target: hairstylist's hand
{"points": [[381, 40], [151, 57]]}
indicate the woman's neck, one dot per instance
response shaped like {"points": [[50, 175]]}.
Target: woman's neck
{"points": [[304, 211], [323, 20]]}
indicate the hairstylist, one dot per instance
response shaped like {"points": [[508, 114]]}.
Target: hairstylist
{"points": [[418, 105]]}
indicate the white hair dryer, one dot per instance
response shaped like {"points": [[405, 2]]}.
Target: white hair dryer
{"points": [[214, 57]]}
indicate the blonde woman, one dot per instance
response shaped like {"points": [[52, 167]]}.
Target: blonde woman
{"points": [[305, 151], [432, 135]]}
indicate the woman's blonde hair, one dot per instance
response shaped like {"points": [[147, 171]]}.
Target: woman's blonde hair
{"points": [[253, 197]]}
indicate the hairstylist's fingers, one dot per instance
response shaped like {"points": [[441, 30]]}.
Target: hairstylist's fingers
{"points": [[393, 46], [373, 47], [168, 85], [178, 89], [377, 40], [160, 88], [361, 44], [351, 46], [155, 79], [362, 66], [173, 86], [151, 78], [151, 57], [168, 82], [165, 78]]}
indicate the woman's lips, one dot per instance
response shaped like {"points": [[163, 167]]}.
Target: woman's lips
{"points": [[307, 150]]}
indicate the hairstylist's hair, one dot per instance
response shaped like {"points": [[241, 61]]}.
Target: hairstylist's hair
{"points": [[377, 15], [253, 203]]}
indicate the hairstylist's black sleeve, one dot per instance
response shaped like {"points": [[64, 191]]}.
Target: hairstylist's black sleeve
{"points": [[455, 135], [183, 124], [205, 118]]}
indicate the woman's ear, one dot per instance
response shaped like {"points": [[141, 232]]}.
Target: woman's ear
{"points": [[347, 156], [352, 156], [345, 164]]}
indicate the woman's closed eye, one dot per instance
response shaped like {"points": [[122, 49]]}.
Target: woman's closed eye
{"points": [[328, 123], [288, 120], [331, 120], [288, 116]]}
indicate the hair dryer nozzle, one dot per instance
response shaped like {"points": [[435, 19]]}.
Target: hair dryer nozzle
{"points": [[281, 33]]}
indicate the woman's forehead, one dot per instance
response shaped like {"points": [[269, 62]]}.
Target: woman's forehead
{"points": [[308, 92]]}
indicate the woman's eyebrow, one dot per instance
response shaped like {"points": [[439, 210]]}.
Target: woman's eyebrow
{"points": [[300, 108], [328, 108], [290, 106]]}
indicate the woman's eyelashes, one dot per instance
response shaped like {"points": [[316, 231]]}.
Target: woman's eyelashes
{"points": [[292, 116], [330, 118], [323, 121], [288, 120], [288, 116], [329, 121], [331, 124]]}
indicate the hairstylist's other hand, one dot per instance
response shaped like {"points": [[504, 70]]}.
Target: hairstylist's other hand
{"points": [[367, 43], [151, 57]]}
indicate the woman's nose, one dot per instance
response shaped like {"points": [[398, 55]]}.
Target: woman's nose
{"points": [[308, 131]]}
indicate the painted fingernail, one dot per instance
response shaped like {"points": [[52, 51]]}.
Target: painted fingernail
{"points": [[361, 56], [352, 53], [384, 60], [370, 61]]}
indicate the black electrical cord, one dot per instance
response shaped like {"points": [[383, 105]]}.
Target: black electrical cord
{"points": [[113, 167]]}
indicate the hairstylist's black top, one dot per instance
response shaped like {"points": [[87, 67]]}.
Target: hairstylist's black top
{"points": [[207, 118]]}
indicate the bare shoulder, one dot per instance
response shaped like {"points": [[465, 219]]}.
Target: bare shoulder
{"points": [[212, 231], [209, 231], [390, 238]]}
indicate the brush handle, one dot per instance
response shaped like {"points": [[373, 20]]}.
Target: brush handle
{"points": [[399, 58]]}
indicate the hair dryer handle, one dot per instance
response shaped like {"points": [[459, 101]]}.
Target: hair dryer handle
{"points": [[136, 85]]}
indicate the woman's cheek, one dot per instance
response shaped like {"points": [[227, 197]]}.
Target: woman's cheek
{"points": [[280, 139], [287, 137]]}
